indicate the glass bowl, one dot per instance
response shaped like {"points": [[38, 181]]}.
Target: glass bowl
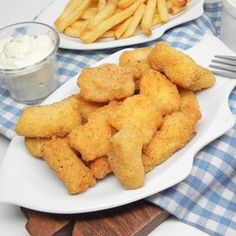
{"points": [[228, 24], [31, 83]]}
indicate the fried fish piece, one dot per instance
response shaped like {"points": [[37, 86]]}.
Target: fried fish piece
{"points": [[125, 157], [174, 134], [177, 66], [177, 130], [140, 112], [86, 107], [100, 167], [68, 166], [35, 145], [92, 139], [105, 83], [161, 91], [48, 120], [136, 60], [205, 80], [189, 105], [133, 56]]}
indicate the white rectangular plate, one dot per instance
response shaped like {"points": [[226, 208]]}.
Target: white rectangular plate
{"points": [[28, 182], [48, 16]]}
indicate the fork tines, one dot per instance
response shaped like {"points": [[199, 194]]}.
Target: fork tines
{"points": [[225, 65]]}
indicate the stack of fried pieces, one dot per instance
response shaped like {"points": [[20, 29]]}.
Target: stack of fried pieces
{"points": [[127, 119]]}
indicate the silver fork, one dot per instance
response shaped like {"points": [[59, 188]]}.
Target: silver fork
{"points": [[225, 65]]}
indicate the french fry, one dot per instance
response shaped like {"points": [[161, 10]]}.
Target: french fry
{"points": [[101, 5], [70, 7], [108, 34], [71, 15], [93, 19], [107, 24], [115, 27], [156, 20], [122, 28], [125, 3], [175, 10], [102, 15], [146, 23], [138, 15], [163, 10], [89, 13], [179, 3], [169, 4], [76, 29]]}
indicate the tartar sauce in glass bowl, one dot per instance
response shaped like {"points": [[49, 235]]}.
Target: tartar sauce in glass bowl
{"points": [[24, 50], [27, 61]]}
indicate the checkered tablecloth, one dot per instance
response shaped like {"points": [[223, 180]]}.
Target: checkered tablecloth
{"points": [[206, 199]]}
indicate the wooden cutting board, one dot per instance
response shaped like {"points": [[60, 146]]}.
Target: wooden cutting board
{"points": [[138, 218]]}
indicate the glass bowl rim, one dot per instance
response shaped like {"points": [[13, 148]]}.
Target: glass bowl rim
{"points": [[56, 46]]}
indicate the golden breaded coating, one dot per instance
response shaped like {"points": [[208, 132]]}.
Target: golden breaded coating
{"points": [[100, 167], [137, 68], [138, 111], [125, 157], [86, 107], [35, 145], [48, 120], [133, 56], [105, 111], [206, 80], [67, 165], [92, 139], [161, 91], [189, 105], [176, 131], [176, 65], [136, 60], [105, 83]]}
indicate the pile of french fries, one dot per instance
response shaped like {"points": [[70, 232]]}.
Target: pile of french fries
{"points": [[90, 20]]}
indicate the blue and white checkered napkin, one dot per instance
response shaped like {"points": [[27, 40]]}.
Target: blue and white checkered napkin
{"points": [[205, 199]]}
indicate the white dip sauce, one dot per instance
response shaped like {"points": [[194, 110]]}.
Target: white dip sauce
{"points": [[31, 82], [24, 50]]}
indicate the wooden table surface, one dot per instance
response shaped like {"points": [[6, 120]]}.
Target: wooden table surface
{"points": [[138, 219]]}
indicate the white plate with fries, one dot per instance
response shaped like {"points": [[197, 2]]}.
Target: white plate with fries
{"points": [[95, 25], [28, 182]]}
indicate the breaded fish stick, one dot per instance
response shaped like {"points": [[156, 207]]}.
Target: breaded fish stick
{"points": [[93, 138], [100, 167], [189, 105], [136, 61], [138, 111], [35, 145], [176, 131], [177, 66], [67, 165], [86, 107], [125, 157], [161, 91], [48, 120], [106, 83], [174, 134], [206, 79], [134, 57]]}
